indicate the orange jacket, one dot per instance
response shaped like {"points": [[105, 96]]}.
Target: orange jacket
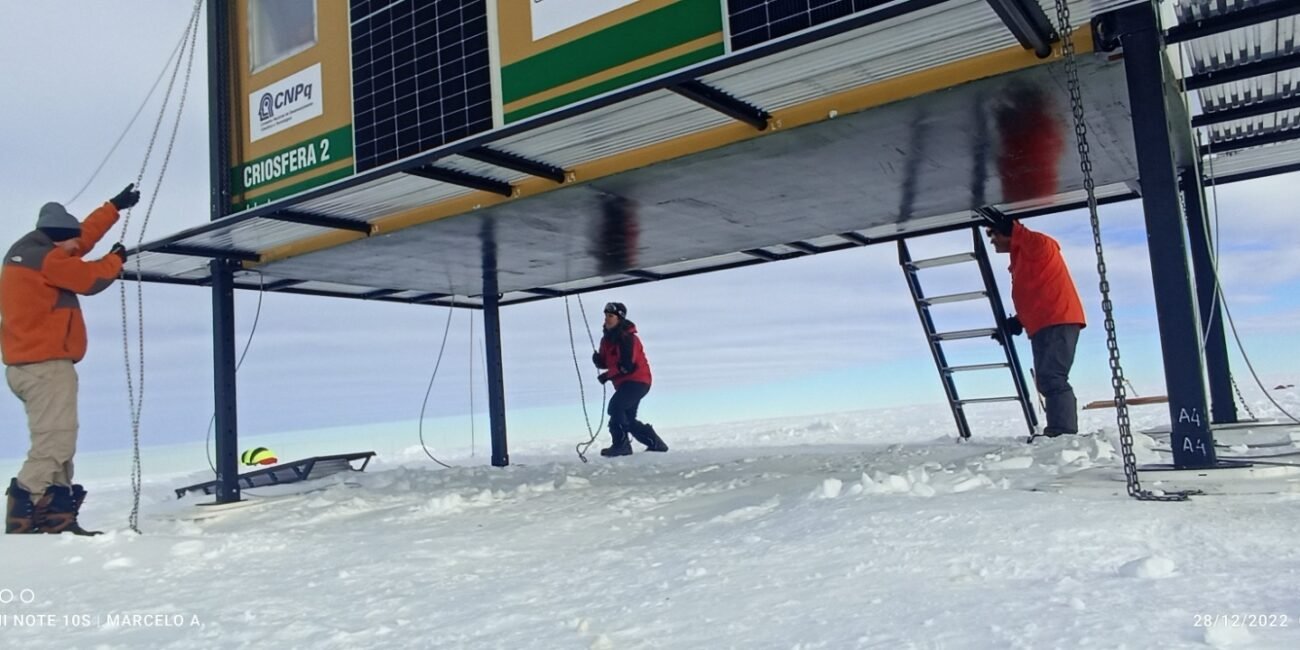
{"points": [[40, 318], [1041, 288]]}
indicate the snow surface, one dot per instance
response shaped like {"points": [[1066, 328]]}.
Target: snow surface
{"points": [[859, 530]]}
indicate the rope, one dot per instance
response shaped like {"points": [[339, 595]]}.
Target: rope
{"points": [[1066, 30], [446, 330], [136, 401], [582, 447], [138, 111], [1221, 297]]}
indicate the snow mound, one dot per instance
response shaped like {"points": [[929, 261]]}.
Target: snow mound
{"points": [[1153, 567]]}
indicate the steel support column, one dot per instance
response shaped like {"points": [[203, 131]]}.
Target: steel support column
{"points": [[1223, 410], [1148, 85], [223, 279], [492, 339], [223, 370]]}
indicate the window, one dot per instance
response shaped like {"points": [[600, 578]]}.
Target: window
{"points": [[279, 29]]}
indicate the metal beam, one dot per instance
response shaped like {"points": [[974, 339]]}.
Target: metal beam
{"points": [[549, 293], [280, 284], [492, 341], [856, 238], [203, 251], [1223, 410], [1250, 141], [463, 179], [702, 93], [517, 163], [762, 254], [1255, 15], [1252, 175], [1028, 24], [1180, 344], [644, 275], [320, 220], [1255, 109], [1242, 72], [804, 247], [223, 379], [380, 293]]}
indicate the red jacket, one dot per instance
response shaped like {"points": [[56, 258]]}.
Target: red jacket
{"points": [[621, 352], [40, 318], [1041, 288]]}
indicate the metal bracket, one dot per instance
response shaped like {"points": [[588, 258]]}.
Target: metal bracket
{"points": [[463, 179], [722, 102]]}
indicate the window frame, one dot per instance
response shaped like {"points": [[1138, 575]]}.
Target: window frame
{"points": [[253, 67]]}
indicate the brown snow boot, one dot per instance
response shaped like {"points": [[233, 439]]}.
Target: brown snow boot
{"points": [[56, 512], [20, 514]]}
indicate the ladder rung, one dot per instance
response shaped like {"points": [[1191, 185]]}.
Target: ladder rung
{"points": [[978, 366], [964, 334], [987, 400], [942, 261], [954, 297]]}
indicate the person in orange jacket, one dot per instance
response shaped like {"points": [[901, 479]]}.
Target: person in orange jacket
{"points": [[1048, 309], [42, 336]]}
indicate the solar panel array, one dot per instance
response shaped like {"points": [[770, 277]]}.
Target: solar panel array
{"points": [[758, 21], [420, 76]]}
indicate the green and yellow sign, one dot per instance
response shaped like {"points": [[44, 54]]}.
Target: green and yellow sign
{"points": [[557, 52], [295, 168]]}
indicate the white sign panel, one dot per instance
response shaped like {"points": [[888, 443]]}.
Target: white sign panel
{"points": [[551, 16], [285, 103]]}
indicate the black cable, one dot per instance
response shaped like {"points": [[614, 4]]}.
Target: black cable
{"points": [[207, 445], [446, 330]]}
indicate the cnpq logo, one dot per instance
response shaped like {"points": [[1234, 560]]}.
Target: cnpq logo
{"points": [[266, 107], [272, 103]]}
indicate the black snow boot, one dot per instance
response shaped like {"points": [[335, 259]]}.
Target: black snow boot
{"points": [[20, 513], [621, 447], [645, 434], [56, 512]]}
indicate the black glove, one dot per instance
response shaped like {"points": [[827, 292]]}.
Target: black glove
{"points": [[119, 250], [595, 359], [602, 377], [1014, 326], [127, 198]]}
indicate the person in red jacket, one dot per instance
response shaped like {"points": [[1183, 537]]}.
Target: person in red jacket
{"points": [[42, 334], [623, 360], [1048, 309]]}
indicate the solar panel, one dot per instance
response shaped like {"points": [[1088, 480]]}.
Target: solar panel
{"points": [[420, 76], [758, 21]]}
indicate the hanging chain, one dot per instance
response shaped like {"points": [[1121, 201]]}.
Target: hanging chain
{"points": [[136, 400], [1117, 380], [582, 447], [1241, 400]]}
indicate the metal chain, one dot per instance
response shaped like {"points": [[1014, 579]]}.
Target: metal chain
{"points": [[136, 400], [582, 447], [1066, 30], [1241, 400]]}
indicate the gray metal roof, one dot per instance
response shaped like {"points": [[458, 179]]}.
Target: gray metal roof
{"points": [[897, 169], [1247, 125]]}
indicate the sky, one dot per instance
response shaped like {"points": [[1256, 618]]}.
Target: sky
{"points": [[834, 332]]}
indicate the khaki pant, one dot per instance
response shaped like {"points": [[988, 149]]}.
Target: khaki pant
{"points": [[49, 393]]}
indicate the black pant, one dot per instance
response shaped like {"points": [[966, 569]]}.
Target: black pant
{"points": [[622, 409], [1053, 348]]}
